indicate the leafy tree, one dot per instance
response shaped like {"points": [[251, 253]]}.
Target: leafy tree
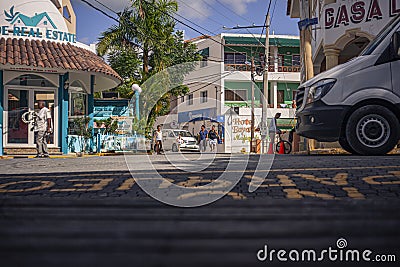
{"points": [[154, 24], [145, 39], [126, 63], [118, 36]]}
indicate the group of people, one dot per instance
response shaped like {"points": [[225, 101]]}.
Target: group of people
{"points": [[204, 137], [211, 137]]}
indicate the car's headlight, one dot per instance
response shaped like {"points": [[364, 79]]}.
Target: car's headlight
{"points": [[319, 89]]}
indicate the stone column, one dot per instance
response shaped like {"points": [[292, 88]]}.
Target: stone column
{"points": [[275, 85], [332, 56], [276, 63]]}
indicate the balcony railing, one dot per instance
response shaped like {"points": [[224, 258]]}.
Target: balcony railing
{"points": [[244, 67]]}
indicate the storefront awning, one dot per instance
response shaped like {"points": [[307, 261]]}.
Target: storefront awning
{"points": [[273, 41], [51, 55]]}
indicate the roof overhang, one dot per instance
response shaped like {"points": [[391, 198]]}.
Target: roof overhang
{"points": [[51, 57]]}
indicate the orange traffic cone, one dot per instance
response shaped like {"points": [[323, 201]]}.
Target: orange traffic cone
{"points": [[271, 148], [282, 148]]}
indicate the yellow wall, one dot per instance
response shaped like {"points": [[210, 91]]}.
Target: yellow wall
{"points": [[71, 24]]}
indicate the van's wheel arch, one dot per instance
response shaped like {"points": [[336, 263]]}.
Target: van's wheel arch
{"points": [[372, 130]]}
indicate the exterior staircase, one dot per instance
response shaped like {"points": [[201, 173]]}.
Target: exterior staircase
{"points": [[29, 151]]}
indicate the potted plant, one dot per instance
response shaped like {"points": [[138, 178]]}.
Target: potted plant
{"points": [[84, 132]]}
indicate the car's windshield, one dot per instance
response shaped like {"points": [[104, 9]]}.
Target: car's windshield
{"points": [[380, 37], [183, 133]]}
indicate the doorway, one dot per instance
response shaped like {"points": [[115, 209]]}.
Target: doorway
{"points": [[19, 102]]}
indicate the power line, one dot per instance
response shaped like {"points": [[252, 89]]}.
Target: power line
{"points": [[99, 10], [169, 15], [232, 11], [100, 3], [208, 84], [217, 11], [213, 33], [197, 11], [262, 32]]}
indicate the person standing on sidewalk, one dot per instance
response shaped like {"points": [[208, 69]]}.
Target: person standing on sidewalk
{"points": [[158, 140], [203, 136], [273, 129], [213, 136], [42, 130]]}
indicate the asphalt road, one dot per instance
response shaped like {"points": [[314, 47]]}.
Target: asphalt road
{"points": [[91, 212]]}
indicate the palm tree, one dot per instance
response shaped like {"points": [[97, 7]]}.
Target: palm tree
{"points": [[121, 36], [147, 24]]}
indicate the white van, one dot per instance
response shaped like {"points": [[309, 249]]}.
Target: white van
{"points": [[170, 141], [356, 103]]}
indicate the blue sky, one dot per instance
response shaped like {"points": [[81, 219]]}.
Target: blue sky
{"points": [[209, 14]]}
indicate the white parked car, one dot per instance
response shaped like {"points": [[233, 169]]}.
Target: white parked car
{"points": [[170, 140]]}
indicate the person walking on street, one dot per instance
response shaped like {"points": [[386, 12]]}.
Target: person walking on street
{"points": [[213, 136], [203, 136], [179, 141], [273, 129], [42, 129], [158, 140]]}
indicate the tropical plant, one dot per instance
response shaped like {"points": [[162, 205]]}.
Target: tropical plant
{"points": [[121, 36], [110, 125], [83, 130], [145, 39]]}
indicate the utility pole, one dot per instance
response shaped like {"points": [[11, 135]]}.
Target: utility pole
{"points": [[252, 148], [264, 98], [305, 38]]}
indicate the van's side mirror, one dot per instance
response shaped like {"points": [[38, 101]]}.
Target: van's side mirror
{"points": [[396, 44]]}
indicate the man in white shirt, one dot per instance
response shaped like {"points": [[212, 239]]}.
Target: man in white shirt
{"points": [[158, 140], [42, 129]]}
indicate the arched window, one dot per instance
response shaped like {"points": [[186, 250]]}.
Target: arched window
{"points": [[77, 105], [31, 80], [78, 100]]}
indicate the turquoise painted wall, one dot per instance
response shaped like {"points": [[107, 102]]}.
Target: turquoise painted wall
{"points": [[63, 99]]}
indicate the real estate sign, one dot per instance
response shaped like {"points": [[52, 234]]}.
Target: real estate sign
{"points": [[24, 20]]}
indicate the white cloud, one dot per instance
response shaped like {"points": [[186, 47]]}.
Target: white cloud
{"points": [[84, 40], [116, 5], [195, 9], [239, 6], [198, 9], [190, 9]]}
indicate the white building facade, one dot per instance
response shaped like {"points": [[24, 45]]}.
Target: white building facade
{"points": [[221, 87], [42, 61], [345, 27]]}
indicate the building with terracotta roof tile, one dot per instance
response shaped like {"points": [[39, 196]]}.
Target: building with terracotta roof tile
{"points": [[41, 60]]}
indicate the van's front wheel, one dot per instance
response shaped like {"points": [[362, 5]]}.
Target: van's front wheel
{"points": [[372, 130], [346, 146]]}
